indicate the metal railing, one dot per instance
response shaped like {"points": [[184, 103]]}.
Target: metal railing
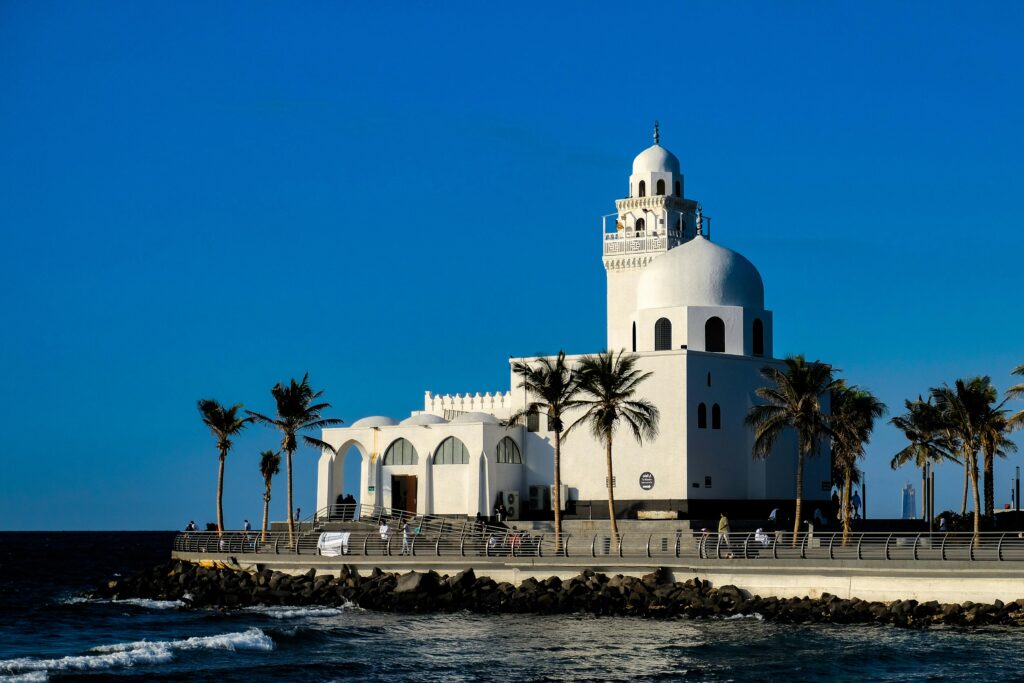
{"points": [[887, 546], [414, 535]]}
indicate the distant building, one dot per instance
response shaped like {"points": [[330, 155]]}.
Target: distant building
{"points": [[909, 500]]}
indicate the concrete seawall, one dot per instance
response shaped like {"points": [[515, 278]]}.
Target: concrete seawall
{"points": [[884, 581]]}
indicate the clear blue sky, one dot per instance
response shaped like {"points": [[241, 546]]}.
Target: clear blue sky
{"points": [[202, 199]]}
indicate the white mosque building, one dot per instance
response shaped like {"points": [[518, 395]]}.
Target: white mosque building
{"points": [[693, 312]]}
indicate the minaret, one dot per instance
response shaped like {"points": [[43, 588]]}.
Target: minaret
{"points": [[651, 220]]}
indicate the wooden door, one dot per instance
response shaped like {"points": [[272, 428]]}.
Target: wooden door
{"points": [[410, 494]]}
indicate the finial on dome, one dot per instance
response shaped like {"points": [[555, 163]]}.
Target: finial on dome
{"points": [[700, 221], [657, 136]]}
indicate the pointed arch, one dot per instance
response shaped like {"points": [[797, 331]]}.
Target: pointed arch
{"points": [[643, 189], [401, 452], [508, 452], [640, 225], [716, 417], [660, 187], [451, 452]]}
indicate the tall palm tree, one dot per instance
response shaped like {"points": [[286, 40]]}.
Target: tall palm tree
{"points": [[963, 408], [853, 414], [552, 388], [608, 385], [929, 442], [1017, 392], [224, 423], [994, 440], [793, 400], [270, 464], [297, 411]]}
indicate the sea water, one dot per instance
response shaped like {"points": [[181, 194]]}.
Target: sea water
{"points": [[49, 632]]}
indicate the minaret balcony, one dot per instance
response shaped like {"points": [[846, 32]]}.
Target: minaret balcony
{"points": [[629, 242]]}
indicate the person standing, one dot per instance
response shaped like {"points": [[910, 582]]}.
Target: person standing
{"points": [[723, 534], [405, 539]]}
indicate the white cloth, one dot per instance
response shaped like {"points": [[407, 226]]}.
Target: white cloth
{"points": [[761, 537], [332, 544]]}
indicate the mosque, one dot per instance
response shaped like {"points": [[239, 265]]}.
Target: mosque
{"points": [[694, 314]]}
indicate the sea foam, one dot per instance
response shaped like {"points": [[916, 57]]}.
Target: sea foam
{"points": [[121, 655]]}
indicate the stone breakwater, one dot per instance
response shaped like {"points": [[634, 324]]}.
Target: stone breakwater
{"points": [[653, 595]]}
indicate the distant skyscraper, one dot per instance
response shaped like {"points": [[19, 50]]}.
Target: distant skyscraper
{"points": [[909, 500]]}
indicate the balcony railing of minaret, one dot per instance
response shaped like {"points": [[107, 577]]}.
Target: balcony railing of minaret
{"points": [[640, 241]]}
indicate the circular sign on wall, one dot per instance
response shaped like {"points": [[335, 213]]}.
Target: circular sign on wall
{"points": [[647, 481]]}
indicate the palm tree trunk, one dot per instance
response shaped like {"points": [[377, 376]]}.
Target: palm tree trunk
{"points": [[989, 486], [556, 496], [266, 512], [977, 500], [847, 505], [291, 520], [220, 492], [799, 491], [611, 493], [967, 479]]}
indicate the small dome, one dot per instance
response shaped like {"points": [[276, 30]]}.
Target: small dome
{"points": [[655, 159], [424, 419], [700, 273], [374, 421], [485, 418]]}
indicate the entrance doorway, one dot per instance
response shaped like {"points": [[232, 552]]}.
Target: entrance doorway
{"points": [[403, 492]]}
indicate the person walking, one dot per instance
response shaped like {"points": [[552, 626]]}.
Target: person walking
{"points": [[723, 534]]}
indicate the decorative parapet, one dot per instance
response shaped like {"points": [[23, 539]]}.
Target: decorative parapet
{"points": [[497, 403]]}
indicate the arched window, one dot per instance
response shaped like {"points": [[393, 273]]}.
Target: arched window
{"points": [[663, 334], [451, 452], [758, 337], [679, 192], [660, 187], [634, 336], [640, 225], [702, 416], [400, 452], [714, 335], [716, 417], [643, 188], [508, 452]]}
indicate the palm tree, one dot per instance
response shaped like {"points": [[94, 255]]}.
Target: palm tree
{"points": [[792, 401], [853, 414], [224, 423], [608, 383], [929, 441], [553, 388], [270, 464], [296, 412], [963, 408], [995, 441], [1017, 392]]}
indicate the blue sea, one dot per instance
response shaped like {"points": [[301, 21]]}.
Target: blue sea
{"points": [[49, 632]]}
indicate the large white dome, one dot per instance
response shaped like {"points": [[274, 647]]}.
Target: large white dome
{"points": [[655, 159], [700, 273]]}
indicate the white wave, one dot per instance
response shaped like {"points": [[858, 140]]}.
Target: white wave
{"points": [[253, 639], [131, 654], [754, 615], [137, 602], [34, 677], [298, 612], [151, 604]]}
